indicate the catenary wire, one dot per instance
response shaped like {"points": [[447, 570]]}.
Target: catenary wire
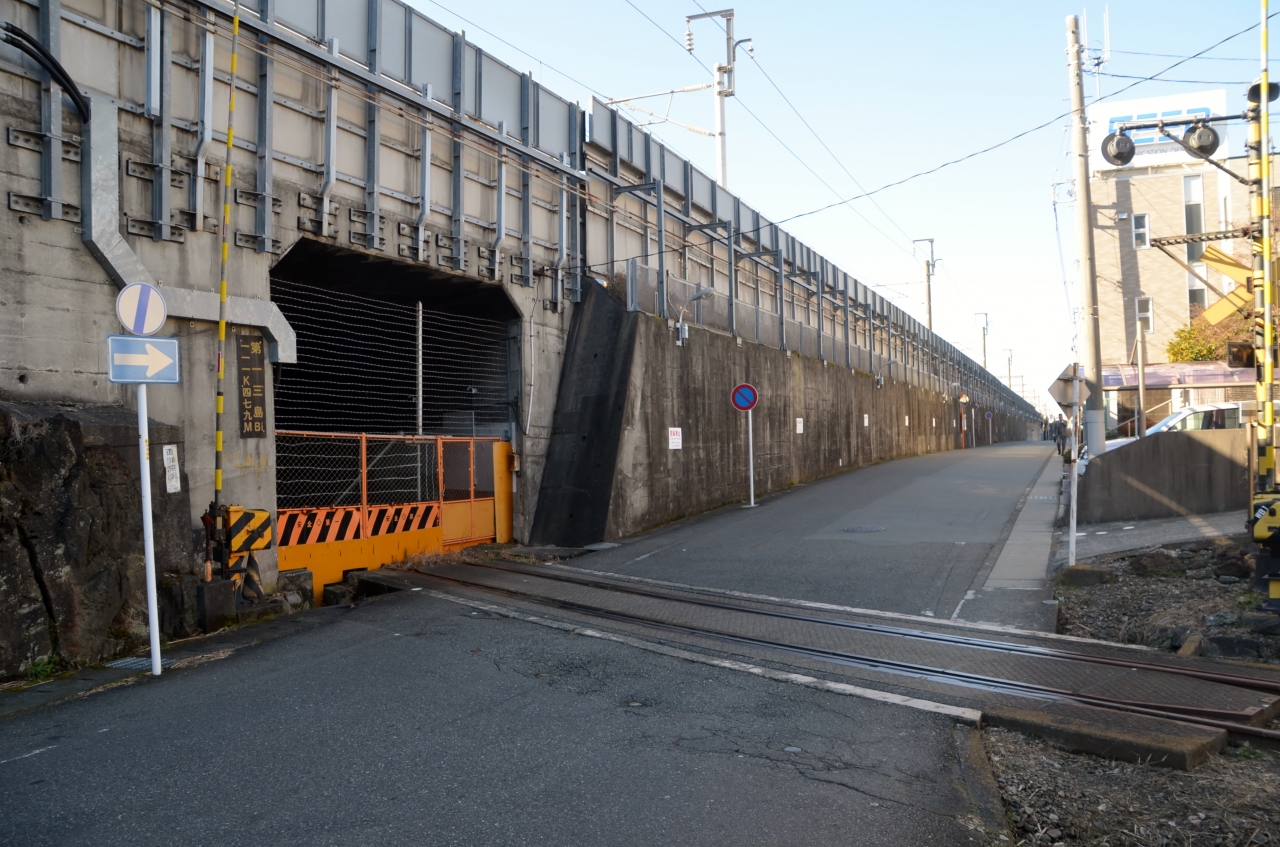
{"points": [[814, 132]]}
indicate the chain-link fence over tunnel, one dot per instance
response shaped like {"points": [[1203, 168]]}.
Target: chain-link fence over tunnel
{"points": [[389, 424]]}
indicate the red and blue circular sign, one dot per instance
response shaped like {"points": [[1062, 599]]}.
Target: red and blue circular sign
{"points": [[744, 397]]}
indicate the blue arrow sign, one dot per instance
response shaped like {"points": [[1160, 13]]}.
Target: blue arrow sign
{"points": [[142, 360]]}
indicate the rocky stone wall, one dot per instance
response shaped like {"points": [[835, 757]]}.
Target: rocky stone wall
{"points": [[71, 562]]}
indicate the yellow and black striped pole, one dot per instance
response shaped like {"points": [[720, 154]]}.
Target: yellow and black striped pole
{"points": [[222, 277], [1263, 276]]}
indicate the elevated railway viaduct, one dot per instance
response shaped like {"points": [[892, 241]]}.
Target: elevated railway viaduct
{"points": [[451, 273]]}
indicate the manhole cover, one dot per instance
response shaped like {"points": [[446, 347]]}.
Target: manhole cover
{"points": [[864, 529]]}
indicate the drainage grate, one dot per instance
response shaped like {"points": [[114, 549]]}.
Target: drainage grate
{"points": [[864, 529], [137, 663]]}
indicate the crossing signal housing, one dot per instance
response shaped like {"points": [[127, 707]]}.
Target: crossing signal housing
{"points": [[1202, 139], [1118, 149]]}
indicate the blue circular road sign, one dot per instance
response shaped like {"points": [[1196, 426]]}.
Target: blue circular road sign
{"points": [[744, 397], [141, 309], [988, 416]]}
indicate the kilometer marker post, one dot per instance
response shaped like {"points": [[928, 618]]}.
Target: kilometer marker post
{"points": [[744, 398]]}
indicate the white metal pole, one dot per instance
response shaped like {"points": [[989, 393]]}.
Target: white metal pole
{"points": [[722, 154], [1075, 453], [751, 459], [148, 539]]}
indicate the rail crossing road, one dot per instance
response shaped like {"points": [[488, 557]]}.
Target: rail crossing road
{"points": [[912, 536]]}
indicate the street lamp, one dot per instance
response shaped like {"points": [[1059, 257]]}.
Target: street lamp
{"points": [[889, 364], [682, 329]]}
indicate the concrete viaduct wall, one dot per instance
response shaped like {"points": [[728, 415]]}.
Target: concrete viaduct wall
{"points": [[406, 144]]}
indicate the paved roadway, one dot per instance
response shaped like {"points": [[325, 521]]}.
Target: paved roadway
{"points": [[939, 518], [414, 721]]}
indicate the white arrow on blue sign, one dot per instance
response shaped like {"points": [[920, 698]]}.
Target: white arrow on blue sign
{"points": [[141, 308], [142, 360]]}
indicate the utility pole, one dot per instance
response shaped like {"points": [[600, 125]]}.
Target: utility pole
{"points": [[986, 323], [725, 83], [929, 265], [1008, 377], [1094, 413], [1140, 418]]}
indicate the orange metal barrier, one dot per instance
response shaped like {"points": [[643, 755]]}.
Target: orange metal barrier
{"points": [[349, 502]]}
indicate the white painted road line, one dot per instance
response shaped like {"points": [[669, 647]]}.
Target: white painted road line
{"points": [[972, 717], [28, 755]]}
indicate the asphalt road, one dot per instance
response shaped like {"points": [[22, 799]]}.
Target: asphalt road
{"points": [[933, 522], [413, 720]]}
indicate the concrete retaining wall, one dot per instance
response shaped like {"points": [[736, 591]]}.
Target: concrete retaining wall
{"points": [[847, 422], [1171, 474]]}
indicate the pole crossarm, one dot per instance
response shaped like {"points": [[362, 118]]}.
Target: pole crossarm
{"points": [[1202, 237], [1126, 126]]}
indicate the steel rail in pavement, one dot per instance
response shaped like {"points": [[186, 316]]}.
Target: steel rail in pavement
{"points": [[1272, 686], [1217, 718]]}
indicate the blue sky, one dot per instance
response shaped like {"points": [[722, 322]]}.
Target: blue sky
{"points": [[893, 89]]}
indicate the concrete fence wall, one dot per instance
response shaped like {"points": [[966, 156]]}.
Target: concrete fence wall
{"points": [[847, 422], [1171, 474]]}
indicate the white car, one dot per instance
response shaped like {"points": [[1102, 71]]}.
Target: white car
{"points": [[1204, 416]]}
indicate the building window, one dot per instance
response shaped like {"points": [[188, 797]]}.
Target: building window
{"points": [[1146, 314], [1196, 294], [1141, 232], [1193, 200]]}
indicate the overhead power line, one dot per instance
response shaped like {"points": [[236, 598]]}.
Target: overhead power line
{"points": [[770, 131], [1025, 132], [1176, 56], [815, 134], [1182, 81]]}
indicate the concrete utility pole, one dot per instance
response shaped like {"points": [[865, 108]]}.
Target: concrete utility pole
{"points": [[929, 264], [1094, 413], [986, 323], [725, 83], [1008, 376]]}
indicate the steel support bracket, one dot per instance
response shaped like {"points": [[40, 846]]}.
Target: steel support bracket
{"points": [[31, 140]]}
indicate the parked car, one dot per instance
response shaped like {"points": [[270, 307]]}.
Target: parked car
{"points": [[1204, 416]]}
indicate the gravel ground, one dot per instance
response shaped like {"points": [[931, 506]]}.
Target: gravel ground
{"points": [[1191, 597], [1055, 797]]}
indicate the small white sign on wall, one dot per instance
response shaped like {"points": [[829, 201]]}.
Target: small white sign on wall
{"points": [[675, 440], [906, 420], [935, 420], [172, 476], [866, 420], [799, 425]]}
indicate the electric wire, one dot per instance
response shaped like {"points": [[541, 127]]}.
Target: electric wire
{"points": [[800, 159], [1180, 81], [813, 131]]}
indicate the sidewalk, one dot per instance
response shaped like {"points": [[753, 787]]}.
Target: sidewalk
{"points": [[1013, 590], [1122, 536]]}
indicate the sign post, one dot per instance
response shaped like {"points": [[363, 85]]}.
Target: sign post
{"points": [[989, 439], [138, 361], [744, 398]]}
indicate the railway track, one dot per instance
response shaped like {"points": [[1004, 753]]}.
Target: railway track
{"points": [[1237, 722]]}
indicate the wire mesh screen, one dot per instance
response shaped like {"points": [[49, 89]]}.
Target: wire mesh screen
{"points": [[678, 293], [456, 458], [715, 311], [482, 461], [402, 471], [745, 316], [317, 472], [642, 288], [358, 366]]}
